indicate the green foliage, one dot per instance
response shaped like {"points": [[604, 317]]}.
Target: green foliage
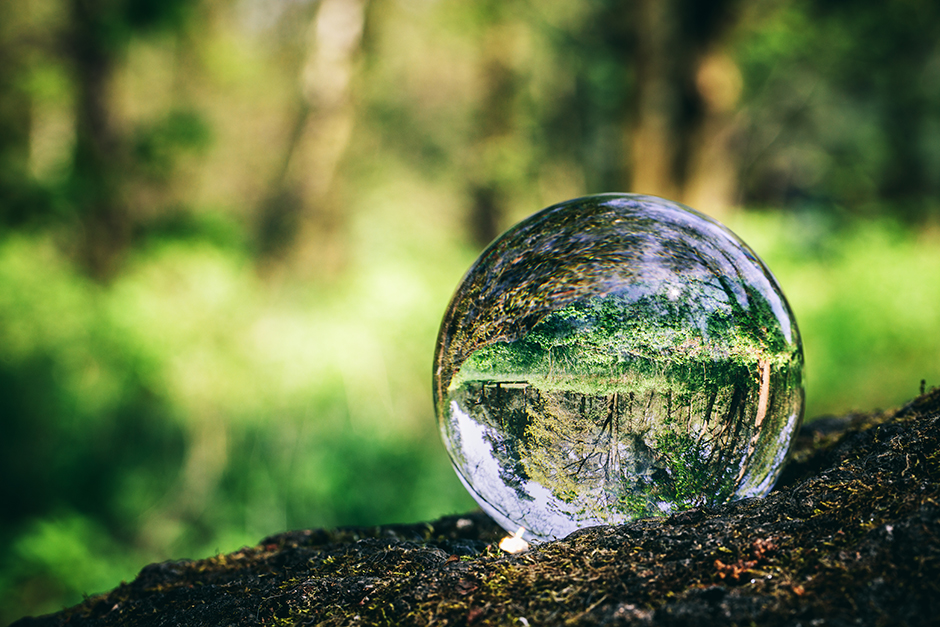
{"points": [[688, 470], [864, 300], [62, 556], [158, 146], [843, 99]]}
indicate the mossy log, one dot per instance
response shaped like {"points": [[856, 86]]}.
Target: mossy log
{"points": [[851, 536]]}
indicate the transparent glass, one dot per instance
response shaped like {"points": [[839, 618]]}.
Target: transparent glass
{"points": [[616, 357]]}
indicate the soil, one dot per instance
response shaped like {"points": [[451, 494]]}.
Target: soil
{"points": [[850, 536]]}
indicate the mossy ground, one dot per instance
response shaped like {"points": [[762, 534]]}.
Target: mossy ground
{"points": [[851, 536]]}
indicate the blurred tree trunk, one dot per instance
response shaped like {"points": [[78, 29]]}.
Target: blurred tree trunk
{"points": [[712, 179], [302, 220], [661, 64], [98, 157], [15, 117], [494, 129], [683, 127], [905, 177]]}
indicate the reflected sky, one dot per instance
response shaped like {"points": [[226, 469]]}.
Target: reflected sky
{"points": [[539, 513]]}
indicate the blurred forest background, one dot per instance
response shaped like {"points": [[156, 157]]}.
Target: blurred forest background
{"points": [[229, 228]]}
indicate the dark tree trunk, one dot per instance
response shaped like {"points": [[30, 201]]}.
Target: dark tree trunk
{"points": [[98, 151], [679, 142], [495, 125]]}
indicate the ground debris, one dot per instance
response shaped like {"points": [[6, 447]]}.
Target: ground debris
{"points": [[851, 536]]}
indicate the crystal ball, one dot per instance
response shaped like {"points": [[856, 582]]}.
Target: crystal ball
{"points": [[615, 357]]}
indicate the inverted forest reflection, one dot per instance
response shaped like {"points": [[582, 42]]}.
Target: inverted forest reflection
{"points": [[557, 461], [617, 356]]}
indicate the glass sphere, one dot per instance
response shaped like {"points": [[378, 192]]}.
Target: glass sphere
{"points": [[616, 357]]}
